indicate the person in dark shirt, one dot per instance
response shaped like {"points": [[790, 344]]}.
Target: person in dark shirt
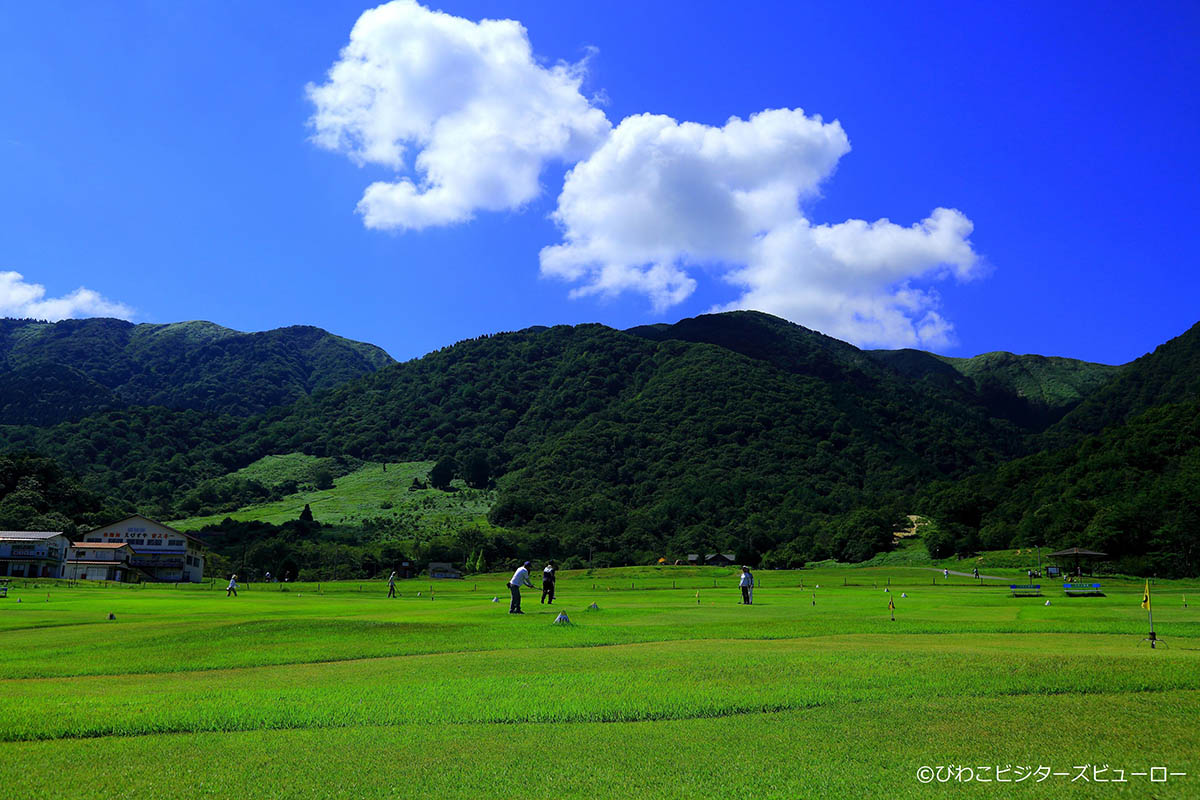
{"points": [[548, 578]]}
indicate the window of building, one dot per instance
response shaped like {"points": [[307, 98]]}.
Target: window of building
{"points": [[176, 543], [93, 540], [136, 541]]}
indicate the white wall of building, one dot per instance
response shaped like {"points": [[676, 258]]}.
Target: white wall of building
{"points": [[155, 543]]}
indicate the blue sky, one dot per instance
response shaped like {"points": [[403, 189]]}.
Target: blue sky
{"points": [[168, 157]]}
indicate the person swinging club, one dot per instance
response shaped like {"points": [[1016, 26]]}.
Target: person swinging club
{"points": [[520, 578]]}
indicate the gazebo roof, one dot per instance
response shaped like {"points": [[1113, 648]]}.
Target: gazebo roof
{"points": [[1078, 551]]}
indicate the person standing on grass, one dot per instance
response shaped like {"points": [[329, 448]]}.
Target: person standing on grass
{"points": [[392, 585], [548, 583], [976, 571], [747, 584], [946, 574], [520, 578], [231, 589]]}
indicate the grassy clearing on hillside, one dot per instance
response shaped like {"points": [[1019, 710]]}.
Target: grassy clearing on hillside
{"points": [[326, 691], [367, 493]]}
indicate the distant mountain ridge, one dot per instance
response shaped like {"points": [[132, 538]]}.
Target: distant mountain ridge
{"points": [[724, 431], [1031, 390], [63, 371]]}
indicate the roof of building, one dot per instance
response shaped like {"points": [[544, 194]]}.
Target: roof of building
{"points": [[197, 540], [96, 561], [442, 565], [99, 545], [1078, 551], [29, 534]]}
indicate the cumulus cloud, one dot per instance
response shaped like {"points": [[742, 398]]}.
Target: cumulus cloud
{"points": [[661, 199], [464, 103], [648, 207], [21, 299]]}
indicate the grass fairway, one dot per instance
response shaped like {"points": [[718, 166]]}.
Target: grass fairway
{"points": [[336, 691]]}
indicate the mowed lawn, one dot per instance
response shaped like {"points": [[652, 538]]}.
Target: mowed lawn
{"points": [[670, 689]]}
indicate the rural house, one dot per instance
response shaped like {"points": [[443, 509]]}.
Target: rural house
{"points": [[101, 561], [161, 553], [32, 554]]}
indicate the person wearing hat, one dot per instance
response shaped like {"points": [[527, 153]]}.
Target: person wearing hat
{"points": [[520, 578], [231, 589], [747, 584], [548, 583]]}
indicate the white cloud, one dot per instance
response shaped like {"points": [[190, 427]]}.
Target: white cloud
{"points": [[661, 198], [854, 280], [21, 299], [480, 114], [648, 205]]}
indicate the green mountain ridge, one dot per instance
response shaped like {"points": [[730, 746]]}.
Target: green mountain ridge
{"points": [[1030, 390], [724, 431], [64, 371]]}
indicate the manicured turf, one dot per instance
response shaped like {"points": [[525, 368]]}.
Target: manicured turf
{"points": [[338, 691]]}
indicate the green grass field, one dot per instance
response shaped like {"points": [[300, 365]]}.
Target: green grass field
{"points": [[336, 691], [368, 492]]}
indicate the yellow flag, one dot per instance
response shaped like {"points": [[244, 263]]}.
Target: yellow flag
{"points": [[891, 604], [1146, 597]]}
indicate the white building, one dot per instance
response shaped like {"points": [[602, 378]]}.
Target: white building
{"points": [[159, 552], [32, 554], [101, 561]]}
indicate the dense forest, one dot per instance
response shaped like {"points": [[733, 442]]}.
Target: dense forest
{"points": [[735, 431], [65, 371]]}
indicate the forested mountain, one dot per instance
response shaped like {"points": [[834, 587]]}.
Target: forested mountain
{"points": [[1131, 491], [726, 431], [1170, 374], [1120, 473], [62, 371], [37, 494], [1031, 391]]}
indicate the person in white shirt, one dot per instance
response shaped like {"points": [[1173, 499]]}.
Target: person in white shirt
{"points": [[231, 589], [520, 578], [392, 585], [548, 577], [747, 584]]}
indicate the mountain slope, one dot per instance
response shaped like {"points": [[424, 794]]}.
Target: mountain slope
{"points": [[1169, 374], [1031, 391], [725, 431], [1131, 491], [62, 371]]}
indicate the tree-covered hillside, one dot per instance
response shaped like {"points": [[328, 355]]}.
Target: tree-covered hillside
{"points": [[37, 494], [1120, 473], [1031, 391], [62, 371], [1170, 374], [729, 431], [1131, 491]]}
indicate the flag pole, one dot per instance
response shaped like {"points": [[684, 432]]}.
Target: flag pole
{"points": [[1152, 638]]}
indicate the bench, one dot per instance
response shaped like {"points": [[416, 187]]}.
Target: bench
{"points": [[1082, 590], [1026, 590]]}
